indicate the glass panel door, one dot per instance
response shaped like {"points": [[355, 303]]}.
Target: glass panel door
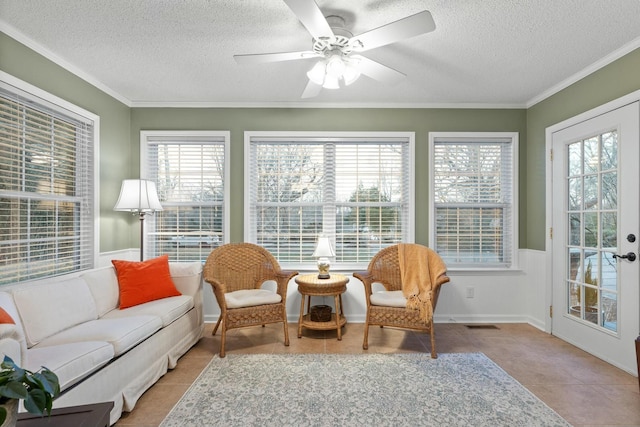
{"points": [[592, 213], [596, 220]]}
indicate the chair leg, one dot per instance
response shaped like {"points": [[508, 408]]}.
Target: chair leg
{"points": [[286, 326], [222, 342], [217, 324], [434, 355], [365, 343]]}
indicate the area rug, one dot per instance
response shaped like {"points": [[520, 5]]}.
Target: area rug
{"points": [[465, 389]]}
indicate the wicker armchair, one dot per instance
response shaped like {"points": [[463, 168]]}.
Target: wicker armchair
{"points": [[384, 268], [236, 272]]}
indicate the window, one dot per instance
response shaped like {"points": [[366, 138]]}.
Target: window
{"points": [[47, 173], [474, 203], [357, 188], [190, 169]]}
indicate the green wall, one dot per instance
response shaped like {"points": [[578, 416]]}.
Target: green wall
{"points": [[611, 82], [121, 125], [115, 161], [420, 121]]}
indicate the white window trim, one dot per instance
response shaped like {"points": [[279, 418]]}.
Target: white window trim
{"points": [[7, 81], [514, 136], [339, 136], [145, 135]]}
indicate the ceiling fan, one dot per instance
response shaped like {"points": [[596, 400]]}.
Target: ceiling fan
{"points": [[338, 49]]}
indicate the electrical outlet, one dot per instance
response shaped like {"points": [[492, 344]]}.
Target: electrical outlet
{"points": [[470, 292]]}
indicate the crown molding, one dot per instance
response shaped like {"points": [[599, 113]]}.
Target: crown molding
{"points": [[613, 56], [41, 50], [169, 104]]}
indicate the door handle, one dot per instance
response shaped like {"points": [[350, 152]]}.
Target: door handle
{"points": [[629, 255]]}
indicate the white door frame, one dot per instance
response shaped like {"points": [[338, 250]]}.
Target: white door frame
{"points": [[602, 109]]}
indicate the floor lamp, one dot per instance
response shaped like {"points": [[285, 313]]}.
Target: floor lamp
{"points": [[138, 196]]}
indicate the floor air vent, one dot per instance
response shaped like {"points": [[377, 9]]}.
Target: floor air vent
{"points": [[482, 326]]}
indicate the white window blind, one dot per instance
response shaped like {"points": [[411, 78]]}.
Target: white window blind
{"points": [[355, 189], [46, 188], [474, 200], [189, 171]]}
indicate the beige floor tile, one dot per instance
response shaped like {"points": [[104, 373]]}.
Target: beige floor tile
{"points": [[586, 391]]}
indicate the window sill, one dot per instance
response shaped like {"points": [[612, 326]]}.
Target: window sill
{"points": [[515, 271]]}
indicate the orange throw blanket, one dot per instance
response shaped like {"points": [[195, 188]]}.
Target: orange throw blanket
{"points": [[420, 268]]}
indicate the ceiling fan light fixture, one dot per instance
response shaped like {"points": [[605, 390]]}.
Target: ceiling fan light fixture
{"points": [[330, 82], [350, 75], [336, 66], [334, 45], [316, 74]]}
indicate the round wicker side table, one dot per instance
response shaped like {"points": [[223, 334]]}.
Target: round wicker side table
{"points": [[309, 285]]}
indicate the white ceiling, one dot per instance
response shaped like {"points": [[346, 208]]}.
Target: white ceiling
{"points": [[491, 53]]}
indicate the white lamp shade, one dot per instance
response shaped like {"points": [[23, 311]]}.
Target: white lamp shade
{"points": [[329, 72], [316, 74], [138, 195], [323, 248], [331, 82], [335, 66], [350, 75]]}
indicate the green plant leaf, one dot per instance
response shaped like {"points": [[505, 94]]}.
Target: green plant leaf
{"points": [[3, 415], [37, 390], [14, 390], [36, 402], [7, 363], [48, 381]]}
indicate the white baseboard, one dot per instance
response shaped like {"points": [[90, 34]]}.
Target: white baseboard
{"points": [[511, 298], [479, 319]]}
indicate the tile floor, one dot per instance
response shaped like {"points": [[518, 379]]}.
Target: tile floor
{"points": [[583, 389]]}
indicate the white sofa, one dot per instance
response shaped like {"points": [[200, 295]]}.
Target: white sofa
{"points": [[101, 353]]}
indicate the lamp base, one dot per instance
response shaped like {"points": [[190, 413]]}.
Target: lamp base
{"points": [[324, 276]]}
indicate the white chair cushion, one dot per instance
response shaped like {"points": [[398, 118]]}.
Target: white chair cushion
{"points": [[388, 299], [250, 298]]}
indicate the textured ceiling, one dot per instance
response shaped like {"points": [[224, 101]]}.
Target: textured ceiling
{"points": [[180, 52]]}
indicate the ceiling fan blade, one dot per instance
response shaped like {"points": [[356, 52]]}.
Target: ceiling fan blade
{"points": [[311, 90], [311, 17], [377, 71], [263, 58], [404, 28]]}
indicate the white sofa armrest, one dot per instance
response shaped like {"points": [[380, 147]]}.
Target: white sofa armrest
{"points": [[10, 343], [187, 277]]}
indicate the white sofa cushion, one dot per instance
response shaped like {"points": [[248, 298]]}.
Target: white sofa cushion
{"points": [[168, 309], [54, 307], [388, 299], [103, 284], [122, 333], [251, 297], [71, 362]]}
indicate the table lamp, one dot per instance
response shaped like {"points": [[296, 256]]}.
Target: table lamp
{"points": [[323, 252]]}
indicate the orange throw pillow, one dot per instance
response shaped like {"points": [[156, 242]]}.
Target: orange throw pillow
{"points": [[145, 281], [6, 317]]}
